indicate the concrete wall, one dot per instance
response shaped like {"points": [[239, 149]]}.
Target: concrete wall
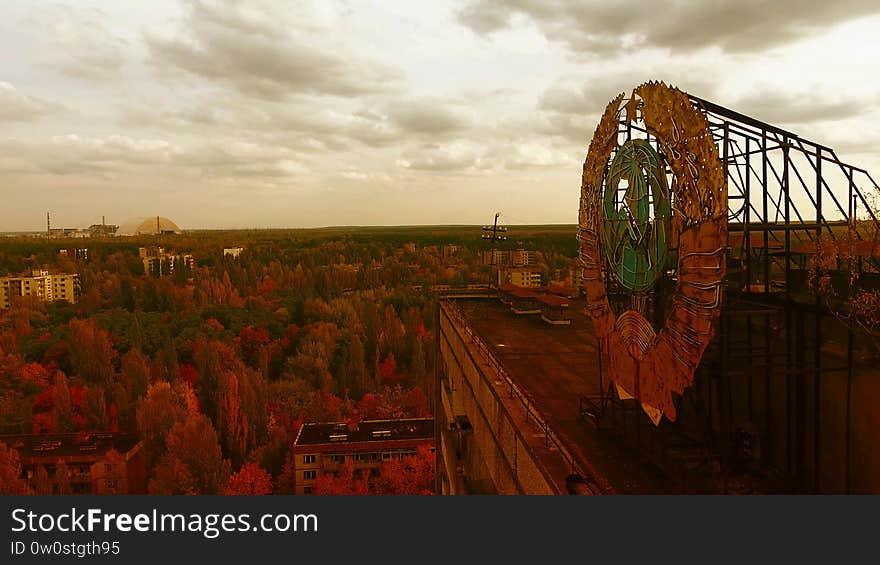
{"points": [[498, 447]]}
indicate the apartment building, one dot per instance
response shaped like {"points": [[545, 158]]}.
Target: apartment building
{"points": [[525, 277], [158, 261], [42, 284], [97, 462], [325, 448]]}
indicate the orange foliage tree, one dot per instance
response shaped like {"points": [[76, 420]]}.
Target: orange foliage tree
{"points": [[193, 462], [10, 472], [251, 479]]}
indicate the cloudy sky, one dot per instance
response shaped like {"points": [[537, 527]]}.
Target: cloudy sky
{"points": [[274, 113]]}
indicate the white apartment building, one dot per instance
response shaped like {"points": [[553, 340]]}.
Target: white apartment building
{"points": [[47, 287]]}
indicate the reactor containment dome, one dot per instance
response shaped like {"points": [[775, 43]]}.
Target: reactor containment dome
{"points": [[156, 225]]}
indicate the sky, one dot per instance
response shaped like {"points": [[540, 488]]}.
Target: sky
{"points": [[273, 113]]}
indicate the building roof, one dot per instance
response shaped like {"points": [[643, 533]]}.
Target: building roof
{"points": [[364, 431], [553, 300], [520, 292], [147, 226], [555, 367], [30, 446]]}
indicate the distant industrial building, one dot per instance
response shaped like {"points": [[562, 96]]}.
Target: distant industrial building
{"points": [[97, 462], [159, 262], [67, 233], [324, 448], [103, 230], [45, 286], [155, 225]]}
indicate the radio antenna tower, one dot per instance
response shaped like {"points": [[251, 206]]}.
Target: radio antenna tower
{"points": [[493, 235]]}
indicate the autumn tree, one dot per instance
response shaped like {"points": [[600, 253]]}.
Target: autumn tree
{"points": [[62, 411], [62, 478], [193, 462], [11, 481], [234, 396], [135, 368], [91, 352], [251, 479], [408, 475], [350, 481], [95, 403], [356, 365], [164, 407], [42, 482]]}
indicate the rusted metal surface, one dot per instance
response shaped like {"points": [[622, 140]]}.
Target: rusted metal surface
{"points": [[652, 366]]}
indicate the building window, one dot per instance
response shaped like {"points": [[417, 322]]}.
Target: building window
{"points": [[309, 475], [308, 459], [108, 467], [337, 458], [307, 490]]}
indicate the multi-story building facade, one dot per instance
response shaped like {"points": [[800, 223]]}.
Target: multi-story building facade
{"points": [[523, 257], [97, 462], [524, 277], [158, 261], [325, 448], [77, 253], [42, 284], [232, 252], [497, 257]]}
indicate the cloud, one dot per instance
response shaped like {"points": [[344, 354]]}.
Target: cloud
{"points": [[428, 116], [238, 159], [788, 107], [601, 27], [16, 106], [81, 44], [440, 158], [308, 123], [532, 155], [253, 52], [117, 155], [571, 111], [73, 154]]}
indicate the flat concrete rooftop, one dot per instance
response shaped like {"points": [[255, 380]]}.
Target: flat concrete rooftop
{"points": [[555, 366]]}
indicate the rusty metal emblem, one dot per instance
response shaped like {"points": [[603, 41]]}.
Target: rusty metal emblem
{"points": [[636, 229]]}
